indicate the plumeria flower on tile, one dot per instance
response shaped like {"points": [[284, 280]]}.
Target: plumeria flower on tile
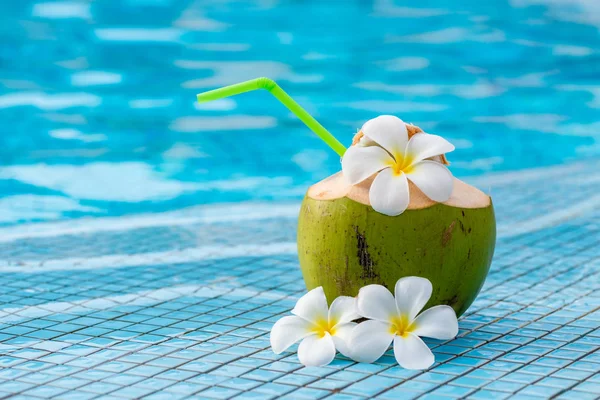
{"points": [[398, 320], [321, 330], [386, 150]]}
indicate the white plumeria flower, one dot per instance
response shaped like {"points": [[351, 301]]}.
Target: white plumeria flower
{"points": [[322, 330], [385, 149], [396, 320]]}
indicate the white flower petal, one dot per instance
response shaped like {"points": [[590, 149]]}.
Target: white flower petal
{"points": [[342, 310], [342, 337], [412, 353], [389, 193], [312, 306], [389, 132], [433, 178], [366, 142], [376, 302], [315, 351], [412, 293], [437, 322], [369, 340], [359, 163], [424, 145], [287, 331]]}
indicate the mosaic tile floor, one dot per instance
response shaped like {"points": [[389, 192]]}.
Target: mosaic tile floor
{"points": [[179, 305]]}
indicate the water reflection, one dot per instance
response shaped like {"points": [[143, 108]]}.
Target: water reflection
{"points": [[98, 111]]}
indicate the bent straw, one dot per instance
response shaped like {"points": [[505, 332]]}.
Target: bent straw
{"points": [[284, 98]]}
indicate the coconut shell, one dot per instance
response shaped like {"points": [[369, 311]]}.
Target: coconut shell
{"points": [[343, 244]]}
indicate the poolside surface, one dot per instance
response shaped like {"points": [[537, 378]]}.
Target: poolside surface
{"points": [[147, 244]]}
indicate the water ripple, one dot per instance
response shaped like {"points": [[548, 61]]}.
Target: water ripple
{"points": [[97, 99]]}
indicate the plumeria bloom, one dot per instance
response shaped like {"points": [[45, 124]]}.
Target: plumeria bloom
{"points": [[396, 320], [385, 149], [321, 330]]}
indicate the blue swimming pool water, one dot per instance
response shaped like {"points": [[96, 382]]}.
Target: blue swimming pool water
{"points": [[147, 243], [97, 100]]}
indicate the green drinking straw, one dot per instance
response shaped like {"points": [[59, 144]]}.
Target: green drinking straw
{"points": [[284, 98]]}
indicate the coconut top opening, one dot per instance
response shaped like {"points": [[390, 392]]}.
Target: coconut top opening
{"points": [[336, 187]]}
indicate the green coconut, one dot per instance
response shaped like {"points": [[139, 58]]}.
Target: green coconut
{"points": [[343, 244]]}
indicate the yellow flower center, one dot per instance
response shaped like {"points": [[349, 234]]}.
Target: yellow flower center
{"points": [[400, 164], [323, 326], [401, 326]]}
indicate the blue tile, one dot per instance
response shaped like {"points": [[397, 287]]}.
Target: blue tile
{"points": [[588, 387], [570, 373], [231, 370], [557, 382], [274, 389], [44, 391], [372, 386], [416, 386], [397, 393], [552, 362], [585, 366], [122, 379], [329, 384], [69, 382], [467, 361], [348, 376], [539, 390], [240, 384], [505, 386], [263, 375], [518, 358], [14, 386], [164, 396], [486, 374], [470, 382], [77, 395], [131, 392], [185, 388], [344, 396], [38, 377], [100, 387], [199, 366], [454, 350], [313, 371], [213, 342], [451, 369], [33, 365], [282, 366], [383, 363], [308, 393], [521, 377], [208, 379], [484, 354], [505, 366], [489, 395], [11, 373], [176, 375], [8, 361], [398, 372], [93, 374], [579, 395], [433, 396], [453, 391], [145, 370], [155, 383], [296, 379]]}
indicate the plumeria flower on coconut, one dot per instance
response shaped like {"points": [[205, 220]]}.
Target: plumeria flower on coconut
{"points": [[385, 149], [398, 320], [321, 329]]}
